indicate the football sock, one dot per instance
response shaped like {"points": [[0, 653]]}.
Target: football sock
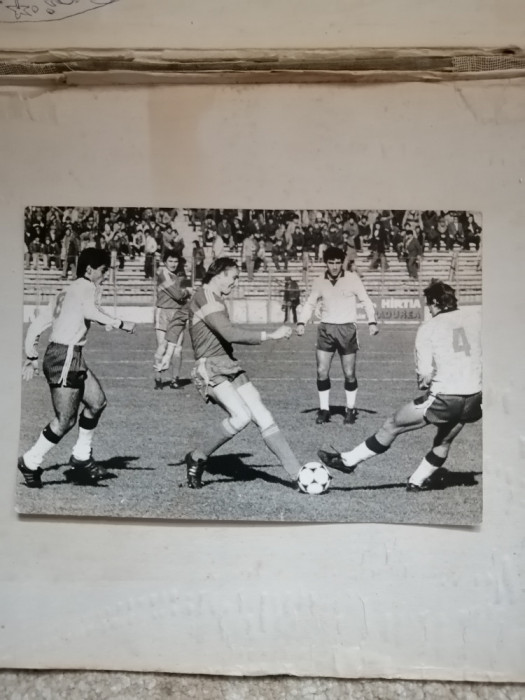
{"points": [[323, 388], [430, 464], [82, 447], [86, 429], [351, 393], [221, 434], [369, 448], [278, 444], [34, 457], [350, 398], [324, 400]]}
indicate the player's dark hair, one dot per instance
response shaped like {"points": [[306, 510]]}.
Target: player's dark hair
{"points": [[441, 294], [170, 254], [92, 257], [219, 265], [333, 253]]}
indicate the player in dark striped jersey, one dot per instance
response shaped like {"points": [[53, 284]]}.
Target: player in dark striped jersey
{"points": [[171, 316], [220, 378]]}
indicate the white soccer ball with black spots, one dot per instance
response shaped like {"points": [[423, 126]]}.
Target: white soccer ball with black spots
{"points": [[314, 478]]}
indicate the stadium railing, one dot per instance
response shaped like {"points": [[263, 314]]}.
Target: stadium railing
{"points": [[127, 286]]}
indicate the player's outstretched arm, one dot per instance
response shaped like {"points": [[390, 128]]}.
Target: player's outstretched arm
{"points": [[280, 333], [39, 324]]}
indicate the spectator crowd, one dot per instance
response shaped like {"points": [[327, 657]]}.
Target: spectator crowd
{"points": [[284, 235], [54, 236]]}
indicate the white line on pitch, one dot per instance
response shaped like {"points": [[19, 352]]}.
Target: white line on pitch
{"points": [[188, 361], [276, 379]]}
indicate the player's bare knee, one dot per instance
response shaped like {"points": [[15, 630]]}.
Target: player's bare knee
{"points": [[101, 407], [95, 409], [63, 424], [389, 428]]}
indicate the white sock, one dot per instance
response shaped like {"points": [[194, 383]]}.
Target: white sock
{"points": [[358, 454], [350, 398], [34, 457], [324, 400], [424, 470], [82, 448]]}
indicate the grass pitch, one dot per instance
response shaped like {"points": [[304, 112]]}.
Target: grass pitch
{"points": [[144, 434]]}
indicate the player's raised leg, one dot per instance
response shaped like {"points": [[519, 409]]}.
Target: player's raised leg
{"points": [[425, 475], [225, 395], [323, 361], [270, 431], [411, 416]]}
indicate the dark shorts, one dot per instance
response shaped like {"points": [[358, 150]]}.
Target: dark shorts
{"points": [[209, 372], [452, 408], [338, 337], [54, 361], [176, 326]]}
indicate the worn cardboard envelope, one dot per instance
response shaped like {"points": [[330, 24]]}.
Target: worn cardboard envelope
{"points": [[352, 600]]}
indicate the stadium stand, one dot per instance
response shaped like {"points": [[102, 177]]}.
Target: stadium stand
{"points": [[127, 285]]}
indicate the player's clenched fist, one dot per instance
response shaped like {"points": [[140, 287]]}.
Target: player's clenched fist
{"points": [[281, 332]]}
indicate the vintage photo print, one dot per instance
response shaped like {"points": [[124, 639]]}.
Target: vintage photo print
{"points": [[239, 364]]}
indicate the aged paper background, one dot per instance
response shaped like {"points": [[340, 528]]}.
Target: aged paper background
{"points": [[341, 600], [237, 24]]}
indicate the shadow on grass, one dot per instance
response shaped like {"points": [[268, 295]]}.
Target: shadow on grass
{"points": [[340, 410], [181, 384], [232, 468], [447, 480], [120, 463]]}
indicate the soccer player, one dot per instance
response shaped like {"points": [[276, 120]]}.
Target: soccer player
{"points": [[448, 365], [70, 380], [220, 378], [171, 312], [339, 291]]}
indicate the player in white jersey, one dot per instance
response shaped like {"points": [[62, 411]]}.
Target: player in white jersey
{"points": [[70, 380], [339, 291], [448, 365]]}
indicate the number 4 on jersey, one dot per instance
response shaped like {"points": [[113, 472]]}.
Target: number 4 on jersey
{"points": [[460, 341]]}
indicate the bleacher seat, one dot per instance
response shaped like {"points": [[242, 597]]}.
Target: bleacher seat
{"points": [[132, 289]]}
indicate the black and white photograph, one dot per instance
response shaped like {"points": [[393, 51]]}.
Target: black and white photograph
{"points": [[301, 365]]}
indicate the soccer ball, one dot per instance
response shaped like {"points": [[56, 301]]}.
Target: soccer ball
{"points": [[314, 478]]}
